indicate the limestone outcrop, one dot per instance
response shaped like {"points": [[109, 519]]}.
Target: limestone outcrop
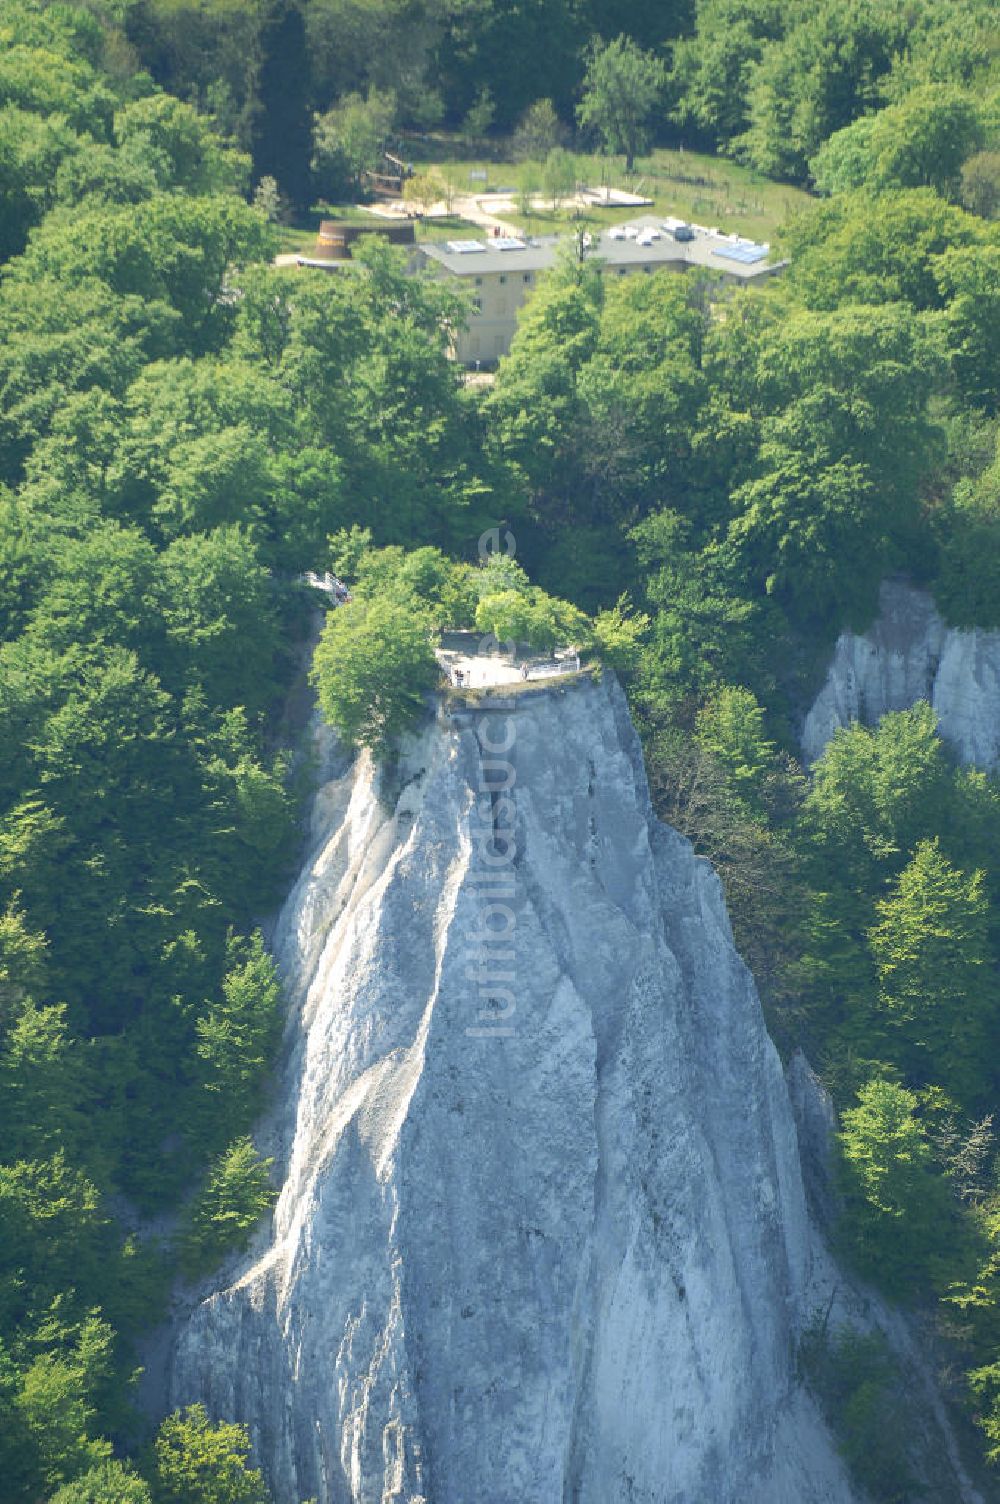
{"points": [[542, 1236], [909, 654]]}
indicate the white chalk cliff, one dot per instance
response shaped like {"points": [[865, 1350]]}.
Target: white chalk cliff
{"points": [[909, 654], [540, 1240]]}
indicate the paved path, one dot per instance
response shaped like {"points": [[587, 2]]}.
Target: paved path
{"points": [[470, 207], [463, 206], [478, 670]]}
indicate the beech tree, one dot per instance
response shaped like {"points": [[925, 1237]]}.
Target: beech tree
{"points": [[236, 1194], [875, 792], [348, 139], [136, 251], [236, 1036], [847, 251], [186, 151], [932, 954], [538, 131], [531, 617], [969, 279], [559, 176], [619, 633], [896, 1201], [711, 67], [984, 1384], [731, 726], [622, 89], [921, 141], [372, 669], [980, 190], [110, 1482], [57, 1405], [196, 1462]]}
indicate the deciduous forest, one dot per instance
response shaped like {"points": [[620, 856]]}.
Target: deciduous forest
{"points": [[705, 488]]}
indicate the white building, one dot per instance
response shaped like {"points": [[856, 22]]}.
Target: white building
{"points": [[503, 272]]}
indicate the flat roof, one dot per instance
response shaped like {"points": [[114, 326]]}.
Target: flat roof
{"points": [[732, 254], [537, 253]]}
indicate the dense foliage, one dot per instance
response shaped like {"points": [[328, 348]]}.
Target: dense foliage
{"points": [[775, 82], [719, 480], [772, 83], [180, 431]]}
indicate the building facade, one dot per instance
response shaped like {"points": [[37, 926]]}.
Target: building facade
{"points": [[502, 272]]}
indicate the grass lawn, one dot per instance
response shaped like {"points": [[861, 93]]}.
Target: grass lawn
{"points": [[692, 185], [296, 240], [447, 227]]}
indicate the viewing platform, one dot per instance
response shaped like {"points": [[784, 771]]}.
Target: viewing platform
{"points": [[467, 668]]}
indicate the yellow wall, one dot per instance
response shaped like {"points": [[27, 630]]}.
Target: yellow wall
{"points": [[493, 324]]}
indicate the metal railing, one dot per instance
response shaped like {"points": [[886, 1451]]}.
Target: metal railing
{"points": [[329, 583]]}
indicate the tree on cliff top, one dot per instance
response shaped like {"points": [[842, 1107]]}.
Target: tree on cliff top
{"points": [[373, 666]]}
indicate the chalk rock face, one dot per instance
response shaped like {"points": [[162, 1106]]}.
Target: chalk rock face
{"points": [[542, 1236], [908, 655]]}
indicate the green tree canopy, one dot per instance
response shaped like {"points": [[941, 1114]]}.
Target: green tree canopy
{"points": [[980, 188], [349, 139], [236, 1194], [559, 175], [969, 279], [731, 726], [845, 159], [32, 149], [531, 617], [967, 527], [108, 1483], [875, 793], [859, 248], [424, 579], [618, 634], [220, 618], [57, 1405], [712, 68], [932, 954], [373, 668], [897, 1208], [538, 131], [181, 146], [196, 1462], [920, 142], [622, 89], [813, 80], [236, 1036], [846, 436], [170, 251]]}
